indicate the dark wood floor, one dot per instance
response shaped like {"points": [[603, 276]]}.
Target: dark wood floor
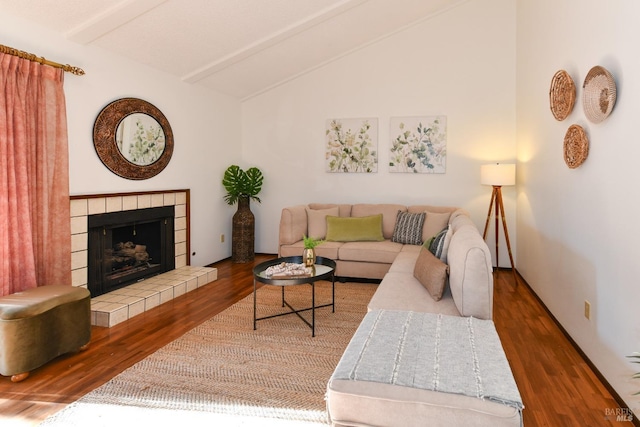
{"points": [[557, 386]]}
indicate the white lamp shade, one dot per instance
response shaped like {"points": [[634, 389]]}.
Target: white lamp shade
{"points": [[498, 174]]}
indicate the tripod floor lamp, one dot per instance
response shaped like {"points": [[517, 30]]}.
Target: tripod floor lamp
{"points": [[498, 175]]}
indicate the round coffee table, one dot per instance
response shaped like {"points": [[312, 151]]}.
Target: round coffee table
{"points": [[324, 269]]}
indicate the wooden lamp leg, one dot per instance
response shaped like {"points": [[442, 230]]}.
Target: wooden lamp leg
{"points": [[496, 200]]}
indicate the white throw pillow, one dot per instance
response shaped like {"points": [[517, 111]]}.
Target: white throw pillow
{"points": [[317, 221], [433, 223]]}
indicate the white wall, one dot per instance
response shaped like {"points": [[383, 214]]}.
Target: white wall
{"points": [[459, 64], [578, 229], [206, 129]]}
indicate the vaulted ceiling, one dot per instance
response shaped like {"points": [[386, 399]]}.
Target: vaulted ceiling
{"points": [[237, 47]]}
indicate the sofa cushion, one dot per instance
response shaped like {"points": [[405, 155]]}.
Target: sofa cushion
{"points": [[368, 228], [326, 249], [388, 211], [345, 209], [408, 229], [405, 368], [382, 252], [402, 291], [317, 221], [431, 273], [433, 223]]}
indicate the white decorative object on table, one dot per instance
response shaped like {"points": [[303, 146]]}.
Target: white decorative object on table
{"points": [[287, 269]]}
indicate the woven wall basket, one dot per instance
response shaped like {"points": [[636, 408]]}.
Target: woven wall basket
{"points": [[599, 94], [576, 146], [562, 95]]}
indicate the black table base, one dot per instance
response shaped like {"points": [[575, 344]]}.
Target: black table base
{"points": [[297, 281]]}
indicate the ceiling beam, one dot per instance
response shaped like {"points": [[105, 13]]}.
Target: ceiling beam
{"points": [[112, 18], [271, 40]]}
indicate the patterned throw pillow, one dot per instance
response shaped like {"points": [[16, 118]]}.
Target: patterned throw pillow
{"points": [[440, 244], [408, 229]]}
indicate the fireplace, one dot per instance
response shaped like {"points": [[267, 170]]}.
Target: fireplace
{"points": [[128, 246]]}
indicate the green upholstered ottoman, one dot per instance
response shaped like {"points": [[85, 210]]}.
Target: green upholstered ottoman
{"points": [[405, 368], [40, 324]]}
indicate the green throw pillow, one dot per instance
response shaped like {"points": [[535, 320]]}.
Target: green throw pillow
{"points": [[354, 229]]}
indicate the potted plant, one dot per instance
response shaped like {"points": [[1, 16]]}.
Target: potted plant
{"points": [[242, 186], [309, 253]]}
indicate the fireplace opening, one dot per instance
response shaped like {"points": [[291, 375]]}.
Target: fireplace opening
{"points": [[129, 246]]}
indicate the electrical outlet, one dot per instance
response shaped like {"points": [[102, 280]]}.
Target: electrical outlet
{"points": [[222, 238], [587, 309]]}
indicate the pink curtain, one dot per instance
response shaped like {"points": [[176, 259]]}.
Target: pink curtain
{"points": [[35, 236]]}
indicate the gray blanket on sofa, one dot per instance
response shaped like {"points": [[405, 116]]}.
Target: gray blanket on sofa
{"points": [[461, 355]]}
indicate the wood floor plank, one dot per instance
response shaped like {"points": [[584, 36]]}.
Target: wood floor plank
{"points": [[557, 385]]}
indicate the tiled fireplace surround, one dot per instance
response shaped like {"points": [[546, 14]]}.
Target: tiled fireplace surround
{"points": [[115, 307]]}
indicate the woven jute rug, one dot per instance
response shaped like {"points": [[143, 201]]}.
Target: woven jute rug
{"points": [[225, 373]]}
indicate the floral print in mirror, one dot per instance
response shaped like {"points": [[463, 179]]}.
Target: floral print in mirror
{"points": [[140, 139]]}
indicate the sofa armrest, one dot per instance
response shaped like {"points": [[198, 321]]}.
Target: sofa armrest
{"points": [[470, 270], [293, 224]]}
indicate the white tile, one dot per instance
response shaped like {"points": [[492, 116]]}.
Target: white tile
{"points": [[202, 280], [169, 199], [78, 207], [114, 204], [102, 319], [180, 289], [181, 198], [97, 205], [212, 276], [181, 261], [144, 201], [180, 248], [136, 308], [152, 301], [119, 316], [180, 236], [180, 224], [79, 225], [180, 211], [192, 285], [129, 203], [78, 260], [166, 295], [79, 277], [79, 242], [157, 200]]}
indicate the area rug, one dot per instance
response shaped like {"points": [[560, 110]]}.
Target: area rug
{"points": [[225, 373]]}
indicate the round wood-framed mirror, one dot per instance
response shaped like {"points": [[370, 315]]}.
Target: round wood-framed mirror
{"points": [[133, 138]]}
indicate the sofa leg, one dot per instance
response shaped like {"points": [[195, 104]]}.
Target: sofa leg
{"points": [[19, 377], [84, 347]]}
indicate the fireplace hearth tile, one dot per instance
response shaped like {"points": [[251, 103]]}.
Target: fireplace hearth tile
{"points": [[136, 308], [192, 285], [179, 289], [122, 304], [152, 301]]}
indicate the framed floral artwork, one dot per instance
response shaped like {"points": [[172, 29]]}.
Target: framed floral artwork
{"points": [[418, 144], [352, 145]]}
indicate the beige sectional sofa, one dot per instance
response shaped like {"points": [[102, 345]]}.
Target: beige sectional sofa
{"points": [[470, 290], [358, 400]]}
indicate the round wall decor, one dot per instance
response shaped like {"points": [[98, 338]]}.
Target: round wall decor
{"points": [[599, 94], [562, 95], [133, 138], [576, 146]]}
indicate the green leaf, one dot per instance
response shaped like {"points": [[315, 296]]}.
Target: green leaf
{"points": [[239, 183]]}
